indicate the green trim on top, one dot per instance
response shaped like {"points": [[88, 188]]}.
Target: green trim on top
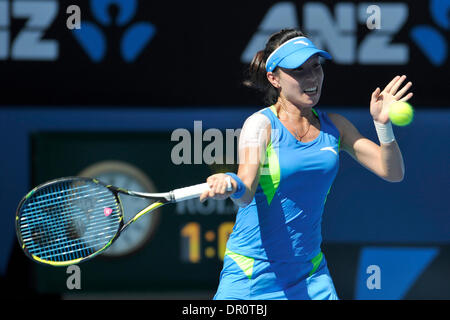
{"points": [[272, 107], [270, 175], [326, 197], [316, 262], [245, 263]]}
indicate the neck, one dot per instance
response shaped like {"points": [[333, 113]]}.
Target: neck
{"points": [[292, 112]]}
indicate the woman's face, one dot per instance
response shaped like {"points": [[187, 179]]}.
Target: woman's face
{"points": [[302, 86]]}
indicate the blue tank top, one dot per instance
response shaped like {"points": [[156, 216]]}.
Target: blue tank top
{"points": [[283, 221]]}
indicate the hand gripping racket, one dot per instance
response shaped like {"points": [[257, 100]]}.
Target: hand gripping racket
{"points": [[70, 220]]}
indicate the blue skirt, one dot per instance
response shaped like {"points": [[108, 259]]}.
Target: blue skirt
{"points": [[245, 278]]}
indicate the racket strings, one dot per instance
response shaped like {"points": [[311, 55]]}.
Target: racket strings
{"points": [[58, 241], [42, 236], [51, 197], [63, 209], [66, 221]]}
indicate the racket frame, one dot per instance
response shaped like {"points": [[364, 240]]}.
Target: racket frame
{"points": [[162, 199]]}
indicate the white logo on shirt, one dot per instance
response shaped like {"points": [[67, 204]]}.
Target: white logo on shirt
{"points": [[330, 149]]}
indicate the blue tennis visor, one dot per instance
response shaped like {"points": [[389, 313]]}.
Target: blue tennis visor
{"points": [[293, 53]]}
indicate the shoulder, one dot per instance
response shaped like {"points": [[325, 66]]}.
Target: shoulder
{"points": [[256, 129], [257, 120]]}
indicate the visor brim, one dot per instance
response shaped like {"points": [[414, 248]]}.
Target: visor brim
{"points": [[297, 58]]}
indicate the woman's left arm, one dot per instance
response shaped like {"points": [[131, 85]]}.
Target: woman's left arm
{"points": [[385, 160]]}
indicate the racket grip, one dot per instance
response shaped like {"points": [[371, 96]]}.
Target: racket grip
{"points": [[189, 192], [194, 191]]}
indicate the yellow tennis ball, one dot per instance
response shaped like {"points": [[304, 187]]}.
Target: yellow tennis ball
{"points": [[401, 113]]}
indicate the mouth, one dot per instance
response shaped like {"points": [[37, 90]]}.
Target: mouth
{"points": [[311, 91]]}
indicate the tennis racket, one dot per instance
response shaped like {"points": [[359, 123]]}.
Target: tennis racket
{"points": [[70, 220]]}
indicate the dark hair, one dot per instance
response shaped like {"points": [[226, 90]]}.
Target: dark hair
{"points": [[256, 73]]}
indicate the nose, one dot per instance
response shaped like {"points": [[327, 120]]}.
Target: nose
{"points": [[310, 74]]}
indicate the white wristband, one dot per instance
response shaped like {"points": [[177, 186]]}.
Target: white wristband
{"points": [[384, 132]]}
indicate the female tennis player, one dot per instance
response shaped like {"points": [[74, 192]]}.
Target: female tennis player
{"points": [[288, 159]]}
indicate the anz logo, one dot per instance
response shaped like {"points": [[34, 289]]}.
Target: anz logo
{"points": [[92, 38], [336, 31], [30, 44]]}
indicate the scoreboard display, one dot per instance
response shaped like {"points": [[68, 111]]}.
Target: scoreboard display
{"points": [[180, 247]]}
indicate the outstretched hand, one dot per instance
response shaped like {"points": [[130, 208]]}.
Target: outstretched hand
{"points": [[381, 100]]}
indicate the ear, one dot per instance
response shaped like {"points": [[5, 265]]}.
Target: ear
{"points": [[273, 79]]}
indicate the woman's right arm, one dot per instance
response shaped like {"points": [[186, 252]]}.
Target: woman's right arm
{"points": [[253, 141]]}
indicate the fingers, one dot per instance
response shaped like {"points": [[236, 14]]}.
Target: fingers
{"points": [[407, 97], [394, 85], [397, 85], [376, 94], [207, 194], [391, 84], [217, 187], [402, 92], [204, 196]]}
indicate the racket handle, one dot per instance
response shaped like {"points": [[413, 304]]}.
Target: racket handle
{"points": [[189, 192], [194, 191]]}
